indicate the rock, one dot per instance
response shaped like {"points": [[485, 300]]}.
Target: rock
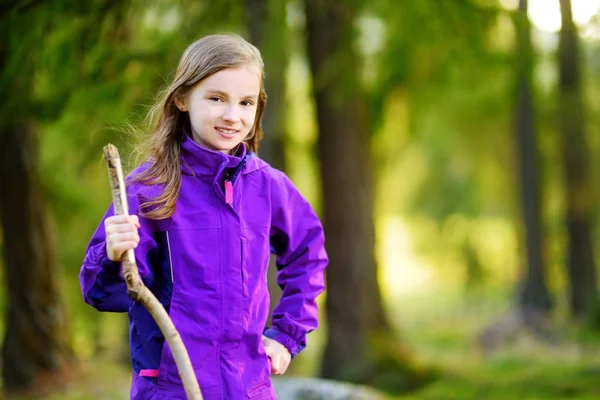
{"points": [[321, 389]]}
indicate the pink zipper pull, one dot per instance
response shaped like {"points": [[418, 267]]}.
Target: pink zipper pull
{"points": [[152, 373], [228, 192]]}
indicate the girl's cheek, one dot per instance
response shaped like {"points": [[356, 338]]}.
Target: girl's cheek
{"points": [[250, 115]]}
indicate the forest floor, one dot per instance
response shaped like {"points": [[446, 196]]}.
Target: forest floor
{"points": [[441, 332]]}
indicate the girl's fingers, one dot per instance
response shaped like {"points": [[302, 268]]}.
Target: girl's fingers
{"points": [[121, 228], [280, 368], [274, 367], [122, 220], [269, 351], [279, 356], [124, 246], [116, 238], [118, 250], [118, 243], [279, 365], [135, 220], [118, 219]]}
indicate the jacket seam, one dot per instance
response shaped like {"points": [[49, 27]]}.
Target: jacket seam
{"points": [[170, 258], [221, 327]]}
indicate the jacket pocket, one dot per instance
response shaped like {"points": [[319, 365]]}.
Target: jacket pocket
{"points": [[244, 274], [147, 343], [146, 359], [261, 388]]}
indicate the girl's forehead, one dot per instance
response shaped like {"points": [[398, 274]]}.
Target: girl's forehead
{"points": [[244, 77]]}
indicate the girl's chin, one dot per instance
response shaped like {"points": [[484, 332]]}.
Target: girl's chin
{"points": [[227, 148]]}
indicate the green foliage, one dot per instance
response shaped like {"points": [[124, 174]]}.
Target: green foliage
{"points": [[442, 327], [528, 380], [391, 366], [440, 84], [85, 73], [455, 87]]}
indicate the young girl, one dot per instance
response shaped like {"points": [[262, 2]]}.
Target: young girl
{"points": [[206, 212]]}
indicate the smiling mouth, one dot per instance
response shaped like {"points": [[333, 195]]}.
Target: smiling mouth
{"points": [[228, 133]]}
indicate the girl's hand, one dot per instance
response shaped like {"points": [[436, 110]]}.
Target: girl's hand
{"points": [[121, 235], [279, 355]]}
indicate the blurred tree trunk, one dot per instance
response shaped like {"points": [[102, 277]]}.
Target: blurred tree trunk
{"points": [[360, 339], [579, 187], [266, 21], [533, 294], [533, 299], [35, 341]]}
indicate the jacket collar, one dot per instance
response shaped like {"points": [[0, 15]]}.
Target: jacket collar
{"points": [[203, 162]]}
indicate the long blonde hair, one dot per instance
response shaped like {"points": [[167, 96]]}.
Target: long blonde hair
{"points": [[168, 123]]}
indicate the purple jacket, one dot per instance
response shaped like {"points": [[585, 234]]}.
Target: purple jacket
{"points": [[207, 265]]}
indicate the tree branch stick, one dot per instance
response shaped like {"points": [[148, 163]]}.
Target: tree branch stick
{"points": [[136, 288]]}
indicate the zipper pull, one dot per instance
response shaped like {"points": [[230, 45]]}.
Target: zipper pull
{"points": [[228, 192]]}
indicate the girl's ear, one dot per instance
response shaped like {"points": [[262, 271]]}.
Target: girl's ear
{"points": [[180, 103]]}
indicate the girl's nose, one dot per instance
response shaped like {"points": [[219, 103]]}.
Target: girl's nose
{"points": [[231, 114]]}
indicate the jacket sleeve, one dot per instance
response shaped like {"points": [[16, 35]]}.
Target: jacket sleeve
{"points": [[298, 241], [102, 284]]}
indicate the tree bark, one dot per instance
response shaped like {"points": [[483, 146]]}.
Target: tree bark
{"points": [[266, 21], [35, 340], [359, 334], [579, 187], [533, 294]]}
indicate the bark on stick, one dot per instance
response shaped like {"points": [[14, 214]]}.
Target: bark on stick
{"points": [[139, 292]]}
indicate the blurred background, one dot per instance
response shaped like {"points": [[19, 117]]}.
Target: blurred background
{"points": [[451, 148]]}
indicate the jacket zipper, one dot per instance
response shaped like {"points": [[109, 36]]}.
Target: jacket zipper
{"points": [[242, 264], [228, 189], [230, 178]]}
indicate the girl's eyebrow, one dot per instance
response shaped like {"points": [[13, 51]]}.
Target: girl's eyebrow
{"points": [[222, 93], [216, 91]]}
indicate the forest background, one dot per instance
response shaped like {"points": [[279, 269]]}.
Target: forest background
{"points": [[451, 148]]}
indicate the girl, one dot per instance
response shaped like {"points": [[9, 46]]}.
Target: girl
{"points": [[207, 213]]}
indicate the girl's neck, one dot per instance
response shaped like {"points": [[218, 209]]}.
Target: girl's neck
{"points": [[235, 150]]}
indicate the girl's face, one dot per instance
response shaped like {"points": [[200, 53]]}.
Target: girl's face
{"points": [[222, 107]]}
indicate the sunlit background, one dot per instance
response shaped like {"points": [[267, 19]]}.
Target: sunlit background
{"points": [[442, 105], [545, 14]]}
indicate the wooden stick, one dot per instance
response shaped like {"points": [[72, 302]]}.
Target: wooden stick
{"points": [[136, 288]]}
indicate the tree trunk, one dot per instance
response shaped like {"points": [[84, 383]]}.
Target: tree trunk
{"points": [[533, 294], [579, 187], [359, 335], [266, 21], [534, 302], [35, 321], [36, 338]]}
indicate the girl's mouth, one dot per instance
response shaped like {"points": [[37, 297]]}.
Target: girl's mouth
{"points": [[227, 133]]}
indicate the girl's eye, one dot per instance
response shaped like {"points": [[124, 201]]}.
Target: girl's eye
{"points": [[247, 103], [214, 98]]}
